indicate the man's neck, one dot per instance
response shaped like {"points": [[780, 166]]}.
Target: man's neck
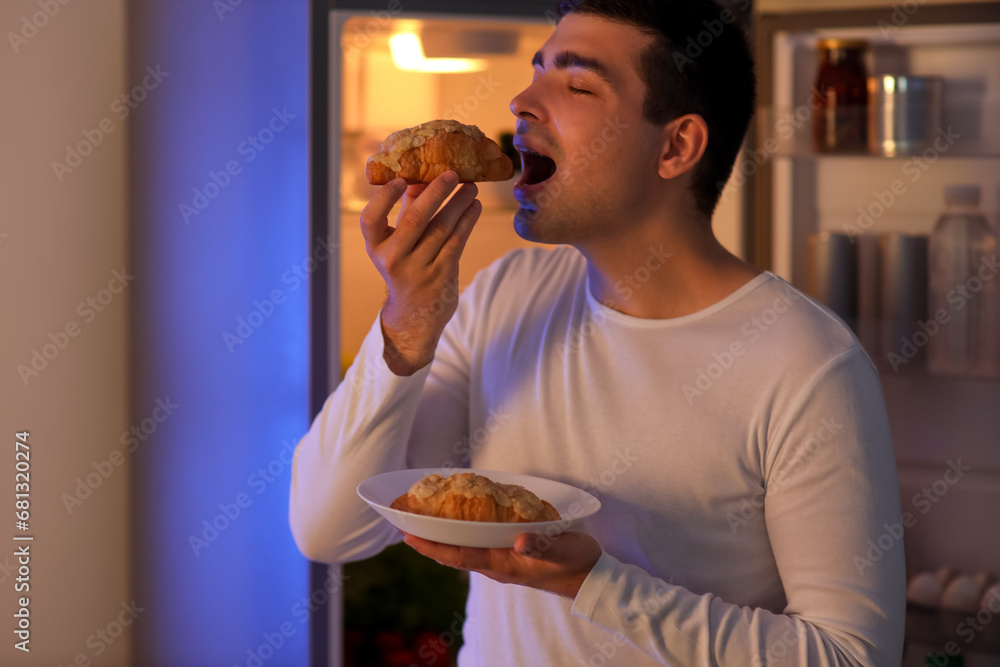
{"points": [[657, 274]]}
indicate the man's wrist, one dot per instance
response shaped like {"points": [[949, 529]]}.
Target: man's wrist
{"points": [[593, 585], [570, 587], [400, 362], [395, 362]]}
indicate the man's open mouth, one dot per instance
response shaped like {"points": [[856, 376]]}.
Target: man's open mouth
{"points": [[536, 167]]}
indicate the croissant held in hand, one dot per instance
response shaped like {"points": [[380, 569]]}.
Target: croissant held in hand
{"points": [[422, 153], [471, 497]]}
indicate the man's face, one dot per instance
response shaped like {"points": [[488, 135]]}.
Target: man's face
{"points": [[589, 156]]}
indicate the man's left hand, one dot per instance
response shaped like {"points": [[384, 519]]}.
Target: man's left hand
{"points": [[558, 565]]}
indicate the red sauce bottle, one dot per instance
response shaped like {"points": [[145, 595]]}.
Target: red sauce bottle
{"points": [[840, 97]]}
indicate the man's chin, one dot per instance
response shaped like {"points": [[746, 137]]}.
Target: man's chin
{"points": [[537, 227], [526, 224]]}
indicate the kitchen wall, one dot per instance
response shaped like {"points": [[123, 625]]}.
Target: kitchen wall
{"points": [[155, 194], [63, 240]]}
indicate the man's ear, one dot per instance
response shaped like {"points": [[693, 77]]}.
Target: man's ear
{"points": [[684, 142]]}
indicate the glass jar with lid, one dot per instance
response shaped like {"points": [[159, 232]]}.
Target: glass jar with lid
{"points": [[840, 97]]}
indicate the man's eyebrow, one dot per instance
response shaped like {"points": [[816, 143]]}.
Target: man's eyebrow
{"points": [[567, 59]]}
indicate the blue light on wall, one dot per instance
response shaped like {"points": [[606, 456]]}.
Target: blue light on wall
{"points": [[220, 245]]}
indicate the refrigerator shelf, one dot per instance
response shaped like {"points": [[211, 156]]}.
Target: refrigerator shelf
{"points": [[893, 361], [965, 132]]}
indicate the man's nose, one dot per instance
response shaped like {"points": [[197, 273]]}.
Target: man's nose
{"points": [[525, 104]]}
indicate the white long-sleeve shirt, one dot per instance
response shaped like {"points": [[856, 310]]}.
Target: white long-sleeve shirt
{"points": [[742, 456]]}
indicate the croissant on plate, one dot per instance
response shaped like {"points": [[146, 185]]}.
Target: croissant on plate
{"points": [[472, 497]]}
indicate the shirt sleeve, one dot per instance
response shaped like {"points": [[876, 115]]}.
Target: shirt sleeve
{"points": [[377, 422], [833, 517]]}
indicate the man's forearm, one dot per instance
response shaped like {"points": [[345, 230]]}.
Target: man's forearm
{"points": [[363, 430]]}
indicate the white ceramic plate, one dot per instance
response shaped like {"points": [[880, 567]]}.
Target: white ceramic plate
{"points": [[573, 504]]}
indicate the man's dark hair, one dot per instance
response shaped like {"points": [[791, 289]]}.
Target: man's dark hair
{"points": [[700, 64]]}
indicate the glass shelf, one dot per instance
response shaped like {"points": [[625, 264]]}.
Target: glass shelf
{"points": [[892, 361], [787, 132]]}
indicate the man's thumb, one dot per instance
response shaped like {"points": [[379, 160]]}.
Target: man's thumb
{"points": [[540, 547]]}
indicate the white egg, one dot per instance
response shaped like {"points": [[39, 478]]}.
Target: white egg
{"points": [[991, 599], [962, 594]]}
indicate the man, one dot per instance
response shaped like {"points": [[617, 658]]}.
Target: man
{"points": [[733, 429]]}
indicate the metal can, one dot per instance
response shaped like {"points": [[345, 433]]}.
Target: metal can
{"points": [[903, 260], [832, 277], [905, 113]]}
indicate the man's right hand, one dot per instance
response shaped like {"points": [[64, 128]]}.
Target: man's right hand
{"points": [[418, 259]]}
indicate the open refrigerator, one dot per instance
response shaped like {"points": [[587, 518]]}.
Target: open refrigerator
{"points": [[939, 423], [383, 90]]}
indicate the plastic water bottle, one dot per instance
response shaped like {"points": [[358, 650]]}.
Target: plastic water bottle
{"points": [[963, 295]]}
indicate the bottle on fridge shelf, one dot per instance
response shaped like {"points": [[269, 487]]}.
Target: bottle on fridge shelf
{"points": [[840, 96], [963, 311]]}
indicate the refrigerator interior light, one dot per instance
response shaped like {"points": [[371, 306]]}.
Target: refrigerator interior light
{"points": [[408, 55]]}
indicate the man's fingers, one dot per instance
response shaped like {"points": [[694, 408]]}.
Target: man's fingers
{"points": [[415, 217], [464, 558], [562, 548], [558, 564], [454, 245], [412, 192], [444, 223], [527, 545], [541, 547], [375, 217]]}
